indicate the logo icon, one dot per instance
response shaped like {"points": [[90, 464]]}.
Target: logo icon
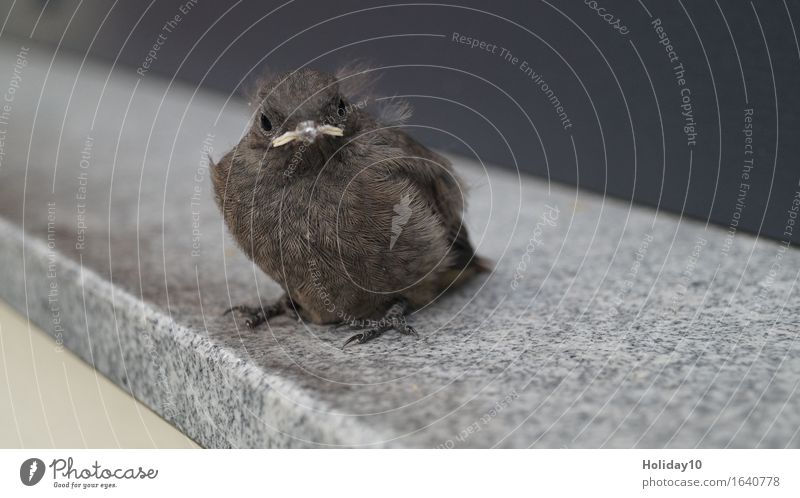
{"points": [[399, 220], [31, 471]]}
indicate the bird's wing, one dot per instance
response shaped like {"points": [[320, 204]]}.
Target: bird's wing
{"points": [[433, 175]]}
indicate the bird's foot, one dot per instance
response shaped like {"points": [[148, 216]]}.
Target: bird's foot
{"points": [[254, 316], [394, 319]]}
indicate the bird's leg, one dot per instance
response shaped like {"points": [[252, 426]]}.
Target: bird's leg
{"points": [[393, 319], [256, 315]]}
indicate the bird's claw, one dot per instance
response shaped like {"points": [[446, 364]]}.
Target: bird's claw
{"points": [[354, 338], [231, 310], [364, 336], [398, 324], [253, 316], [409, 330]]}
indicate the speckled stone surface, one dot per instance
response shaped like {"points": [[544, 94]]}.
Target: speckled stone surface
{"points": [[603, 324]]}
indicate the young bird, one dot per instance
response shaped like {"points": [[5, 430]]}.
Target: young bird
{"points": [[357, 221]]}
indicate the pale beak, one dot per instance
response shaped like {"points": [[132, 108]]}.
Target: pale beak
{"points": [[307, 131]]}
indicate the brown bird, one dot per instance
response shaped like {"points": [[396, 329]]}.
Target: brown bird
{"points": [[357, 222]]}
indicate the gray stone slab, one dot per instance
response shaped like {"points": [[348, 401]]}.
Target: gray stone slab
{"points": [[612, 326]]}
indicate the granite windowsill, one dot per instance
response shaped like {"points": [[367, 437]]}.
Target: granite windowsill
{"points": [[691, 343]]}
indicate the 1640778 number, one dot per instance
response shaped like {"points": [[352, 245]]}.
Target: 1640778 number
{"points": [[757, 481]]}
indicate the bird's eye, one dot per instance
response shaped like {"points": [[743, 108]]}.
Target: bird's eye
{"points": [[265, 122], [342, 108]]}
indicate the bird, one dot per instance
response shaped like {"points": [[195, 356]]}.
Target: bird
{"points": [[359, 223]]}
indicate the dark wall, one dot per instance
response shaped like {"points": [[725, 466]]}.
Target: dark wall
{"points": [[620, 98]]}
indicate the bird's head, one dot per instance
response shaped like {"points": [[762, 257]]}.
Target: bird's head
{"points": [[301, 107]]}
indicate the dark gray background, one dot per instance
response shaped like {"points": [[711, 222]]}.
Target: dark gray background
{"points": [[627, 134]]}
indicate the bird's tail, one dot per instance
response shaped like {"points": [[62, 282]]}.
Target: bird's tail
{"points": [[457, 275]]}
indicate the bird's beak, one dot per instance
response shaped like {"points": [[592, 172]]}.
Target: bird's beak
{"points": [[308, 132]]}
